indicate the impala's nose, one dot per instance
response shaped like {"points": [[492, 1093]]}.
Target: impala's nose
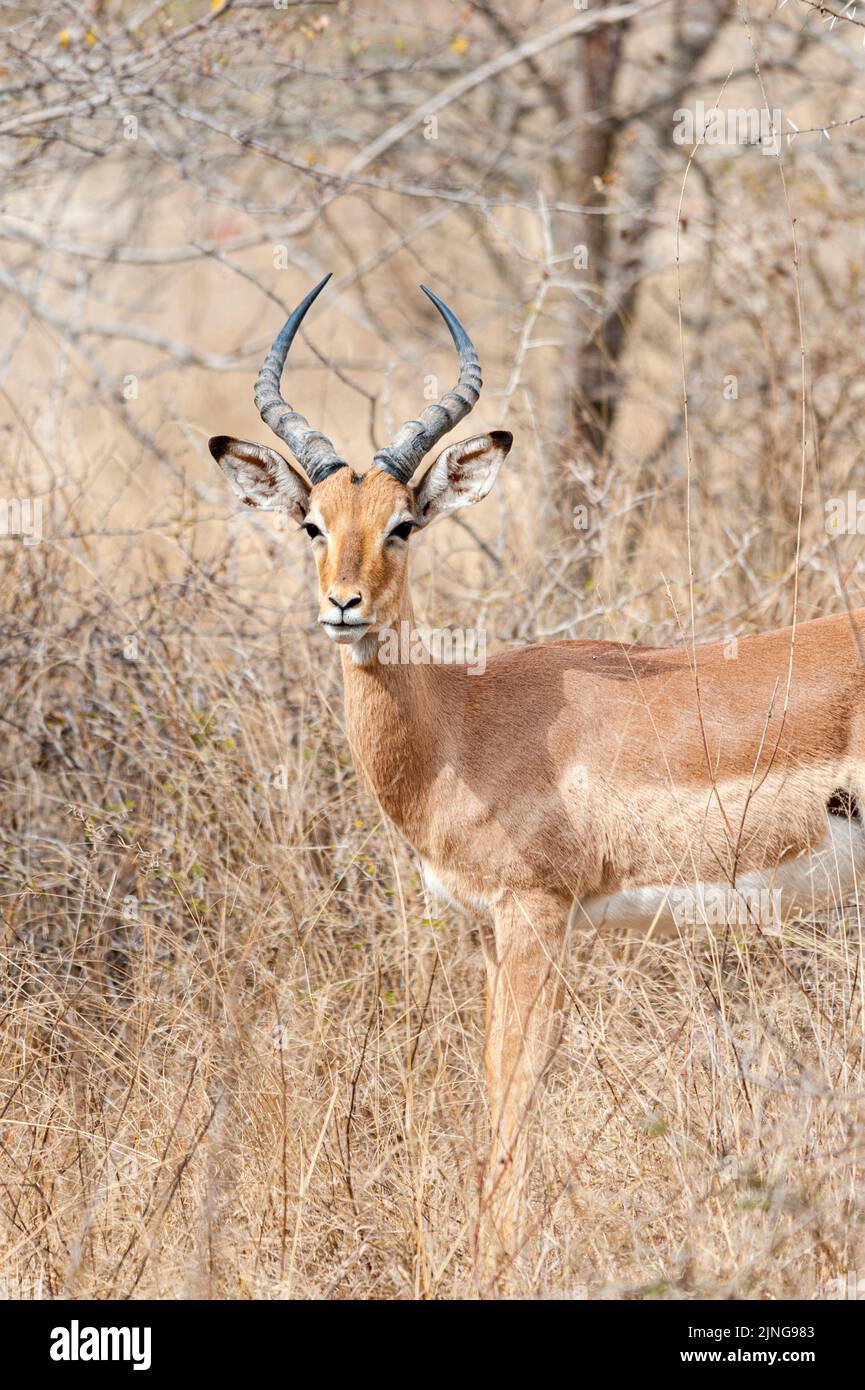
{"points": [[344, 604]]}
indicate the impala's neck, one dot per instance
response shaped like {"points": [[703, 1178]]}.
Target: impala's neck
{"points": [[394, 713]]}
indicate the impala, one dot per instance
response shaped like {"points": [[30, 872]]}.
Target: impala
{"points": [[573, 783]]}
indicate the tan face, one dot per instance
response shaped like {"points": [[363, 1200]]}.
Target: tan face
{"points": [[359, 524], [359, 528]]}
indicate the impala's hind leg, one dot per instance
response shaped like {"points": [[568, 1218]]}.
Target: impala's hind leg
{"points": [[524, 979]]}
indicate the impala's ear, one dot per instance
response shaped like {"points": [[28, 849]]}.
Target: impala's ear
{"points": [[261, 477], [462, 474]]}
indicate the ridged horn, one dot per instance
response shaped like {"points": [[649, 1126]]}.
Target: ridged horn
{"points": [[313, 450], [417, 437]]}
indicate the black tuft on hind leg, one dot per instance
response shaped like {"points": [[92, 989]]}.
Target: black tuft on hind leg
{"points": [[843, 802]]}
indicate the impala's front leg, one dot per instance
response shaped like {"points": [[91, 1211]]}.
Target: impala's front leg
{"points": [[524, 993]]}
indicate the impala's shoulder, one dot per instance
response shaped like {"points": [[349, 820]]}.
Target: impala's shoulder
{"points": [[817, 638], [607, 660]]}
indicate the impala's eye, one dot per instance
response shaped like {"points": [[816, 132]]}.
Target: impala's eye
{"points": [[312, 530], [401, 532]]}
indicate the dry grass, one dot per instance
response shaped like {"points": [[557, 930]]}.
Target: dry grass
{"points": [[241, 1051]]}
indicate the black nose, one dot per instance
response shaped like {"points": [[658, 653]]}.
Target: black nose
{"points": [[349, 603]]}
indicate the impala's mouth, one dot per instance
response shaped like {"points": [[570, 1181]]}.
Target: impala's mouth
{"points": [[345, 630]]}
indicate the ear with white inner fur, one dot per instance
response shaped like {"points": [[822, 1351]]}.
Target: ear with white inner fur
{"points": [[260, 476], [461, 475]]}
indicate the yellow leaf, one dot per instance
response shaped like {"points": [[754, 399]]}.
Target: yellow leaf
{"points": [[90, 38], [459, 45], [64, 38]]}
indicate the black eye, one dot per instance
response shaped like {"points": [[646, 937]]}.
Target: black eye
{"points": [[401, 532], [311, 530]]}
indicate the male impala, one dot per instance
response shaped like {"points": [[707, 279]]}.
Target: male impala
{"points": [[570, 782]]}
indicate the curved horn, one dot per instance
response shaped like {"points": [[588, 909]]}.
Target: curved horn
{"points": [[313, 451], [417, 437]]}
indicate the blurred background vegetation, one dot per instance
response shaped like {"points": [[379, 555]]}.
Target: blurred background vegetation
{"points": [[240, 1050]]}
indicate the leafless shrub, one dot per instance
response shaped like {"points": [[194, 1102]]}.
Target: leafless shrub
{"points": [[240, 1050]]}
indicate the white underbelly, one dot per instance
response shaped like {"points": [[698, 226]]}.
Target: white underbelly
{"points": [[812, 882]]}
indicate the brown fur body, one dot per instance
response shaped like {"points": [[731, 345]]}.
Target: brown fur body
{"points": [[612, 765]]}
